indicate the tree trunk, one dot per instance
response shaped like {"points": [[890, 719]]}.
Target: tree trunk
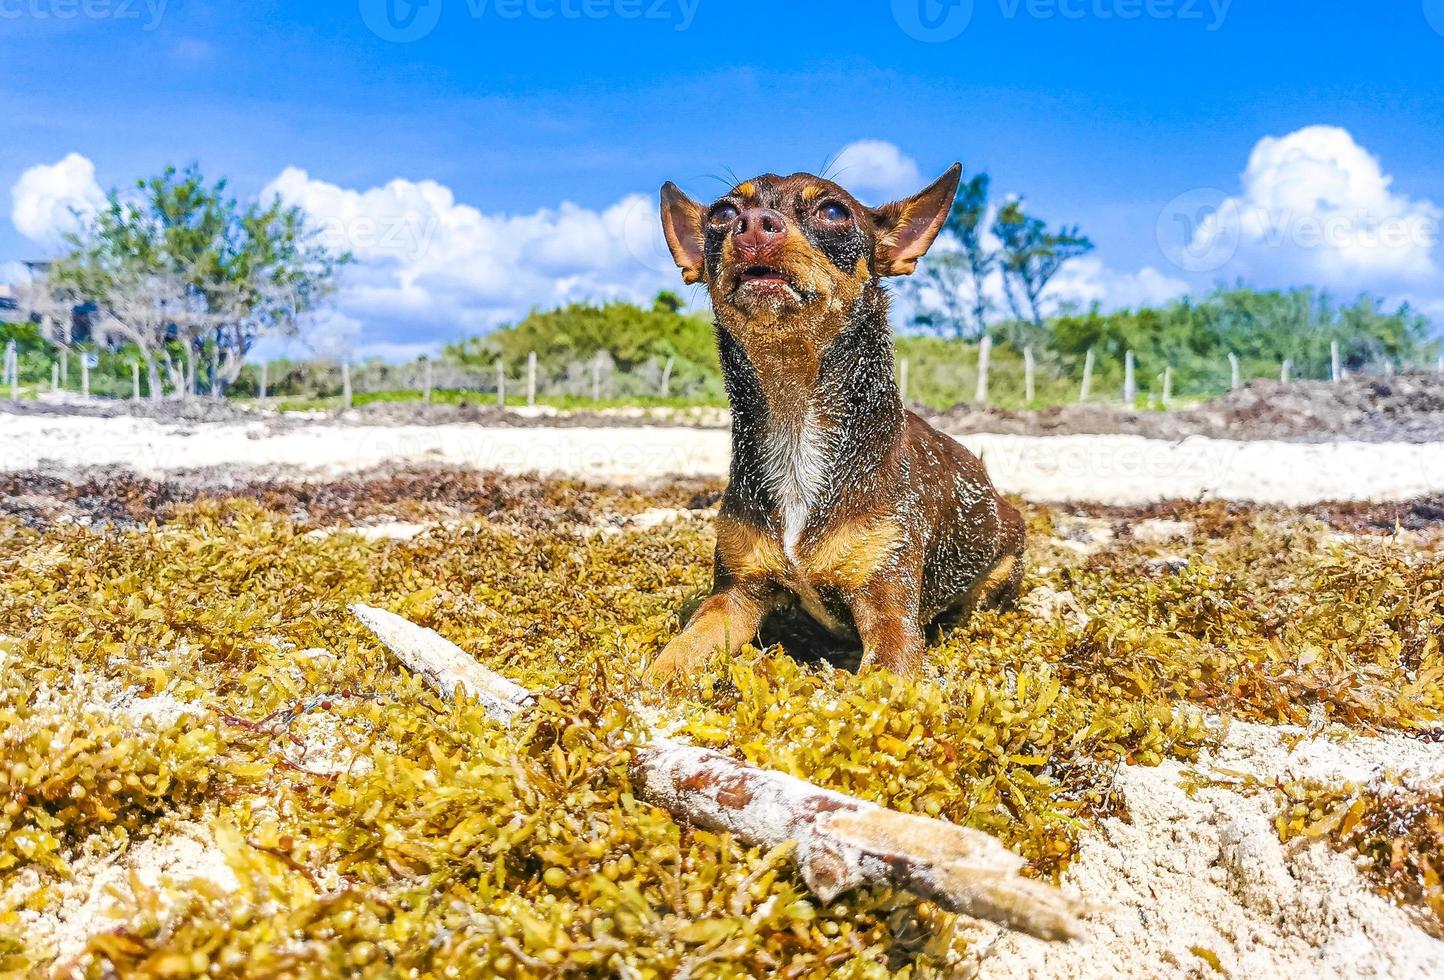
{"points": [[1013, 304], [980, 299], [177, 377]]}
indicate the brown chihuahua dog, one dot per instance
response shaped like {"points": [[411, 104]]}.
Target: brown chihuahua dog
{"points": [[839, 500]]}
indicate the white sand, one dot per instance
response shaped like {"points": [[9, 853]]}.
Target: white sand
{"points": [[1106, 469], [102, 881], [1208, 873]]}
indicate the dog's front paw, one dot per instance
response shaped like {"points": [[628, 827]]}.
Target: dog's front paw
{"points": [[680, 658]]}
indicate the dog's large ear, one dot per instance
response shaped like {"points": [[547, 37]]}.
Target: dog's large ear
{"points": [[682, 224], [906, 229]]}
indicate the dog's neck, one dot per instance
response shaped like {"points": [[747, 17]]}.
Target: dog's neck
{"points": [[809, 424]]}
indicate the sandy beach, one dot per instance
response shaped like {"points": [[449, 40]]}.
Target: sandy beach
{"points": [[1110, 469]]}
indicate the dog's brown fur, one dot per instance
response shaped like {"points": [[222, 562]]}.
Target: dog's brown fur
{"points": [[839, 501]]}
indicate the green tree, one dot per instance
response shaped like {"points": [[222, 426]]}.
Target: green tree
{"points": [[1031, 256], [184, 272], [633, 337], [949, 290], [1262, 328]]}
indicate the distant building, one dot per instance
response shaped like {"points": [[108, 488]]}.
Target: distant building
{"points": [[10, 309], [9, 305]]}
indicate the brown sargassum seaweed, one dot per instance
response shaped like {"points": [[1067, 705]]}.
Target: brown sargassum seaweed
{"points": [[378, 830]]}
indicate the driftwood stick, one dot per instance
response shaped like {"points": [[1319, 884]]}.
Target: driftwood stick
{"points": [[842, 841], [442, 664]]}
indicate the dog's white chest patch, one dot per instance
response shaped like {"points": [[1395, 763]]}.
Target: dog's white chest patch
{"points": [[796, 459]]}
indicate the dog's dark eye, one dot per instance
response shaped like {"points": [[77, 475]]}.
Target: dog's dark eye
{"points": [[832, 211], [723, 214]]}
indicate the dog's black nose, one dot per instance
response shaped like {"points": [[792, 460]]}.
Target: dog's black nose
{"points": [[759, 227]]}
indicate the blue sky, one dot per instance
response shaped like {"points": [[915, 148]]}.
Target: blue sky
{"points": [[1099, 112]]}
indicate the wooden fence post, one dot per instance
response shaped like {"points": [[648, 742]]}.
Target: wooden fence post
{"points": [[1167, 385], [84, 376], [1286, 371], [426, 379], [346, 385], [500, 383], [135, 381], [597, 377], [902, 379], [1336, 367], [64, 367], [1029, 371], [531, 379], [55, 377], [1235, 380], [1087, 385], [1130, 382], [985, 352], [667, 379]]}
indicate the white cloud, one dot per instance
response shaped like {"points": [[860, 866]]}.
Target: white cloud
{"points": [[51, 200], [430, 269], [1315, 208], [876, 171], [1087, 280]]}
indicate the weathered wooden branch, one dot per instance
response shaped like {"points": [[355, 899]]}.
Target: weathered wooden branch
{"points": [[842, 841], [442, 664]]}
